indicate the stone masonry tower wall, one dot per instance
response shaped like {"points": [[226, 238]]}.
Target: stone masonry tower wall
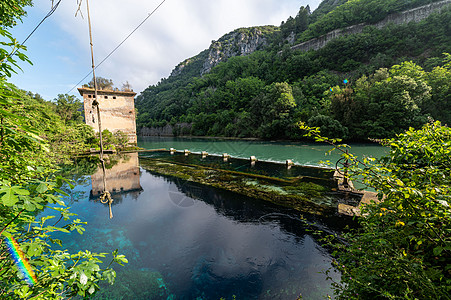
{"points": [[117, 111]]}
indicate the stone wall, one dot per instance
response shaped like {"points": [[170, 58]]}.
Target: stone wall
{"points": [[121, 178], [323, 40], [117, 111], [157, 131], [412, 15]]}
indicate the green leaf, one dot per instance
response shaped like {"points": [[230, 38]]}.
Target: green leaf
{"points": [[399, 182], [53, 228], [34, 250], [29, 206], [42, 188], [9, 199], [17, 190], [438, 250], [110, 275], [83, 278], [91, 289], [121, 259], [56, 241]]}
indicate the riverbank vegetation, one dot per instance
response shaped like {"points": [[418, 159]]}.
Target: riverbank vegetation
{"points": [[60, 123], [403, 247], [34, 136], [373, 84]]}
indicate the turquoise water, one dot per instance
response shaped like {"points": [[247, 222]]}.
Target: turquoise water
{"points": [[186, 241], [299, 152], [265, 168]]}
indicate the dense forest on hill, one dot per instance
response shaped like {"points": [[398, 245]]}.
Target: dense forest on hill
{"points": [[397, 77]]}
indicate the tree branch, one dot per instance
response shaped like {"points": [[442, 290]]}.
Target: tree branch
{"points": [[12, 221]]}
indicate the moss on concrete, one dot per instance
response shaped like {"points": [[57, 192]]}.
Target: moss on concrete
{"points": [[303, 196]]}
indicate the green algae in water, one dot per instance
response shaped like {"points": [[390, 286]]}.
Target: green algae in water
{"points": [[308, 189], [270, 188], [263, 168], [307, 186], [306, 196]]}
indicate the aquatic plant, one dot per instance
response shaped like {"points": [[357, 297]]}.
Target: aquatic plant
{"points": [[271, 189]]}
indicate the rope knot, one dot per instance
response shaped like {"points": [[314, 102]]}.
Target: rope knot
{"points": [[106, 197]]}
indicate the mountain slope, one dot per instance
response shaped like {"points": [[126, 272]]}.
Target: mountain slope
{"points": [[258, 87]]}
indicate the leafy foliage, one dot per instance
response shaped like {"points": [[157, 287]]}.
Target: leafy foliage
{"points": [[27, 186], [11, 11], [69, 108], [114, 140], [102, 83], [391, 101], [403, 247], [32, 137], [9, 49]]}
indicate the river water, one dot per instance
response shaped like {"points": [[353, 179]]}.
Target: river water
{"points": [[304, 153], [186, 241]]}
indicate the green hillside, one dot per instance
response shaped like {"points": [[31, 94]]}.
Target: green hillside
{"points": [[391, 72]]}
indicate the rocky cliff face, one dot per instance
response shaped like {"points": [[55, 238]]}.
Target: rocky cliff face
{"points": [[178, 70], [237, 43], [245, 41], [240, 42]]}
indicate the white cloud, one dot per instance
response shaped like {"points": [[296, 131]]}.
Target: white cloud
{"points": [[178, 30]]}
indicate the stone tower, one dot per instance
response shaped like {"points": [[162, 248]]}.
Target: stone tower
{"points": [[122, 178], [117, 111]]}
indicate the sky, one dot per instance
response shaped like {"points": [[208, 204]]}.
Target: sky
{"points": [[178, 30]]}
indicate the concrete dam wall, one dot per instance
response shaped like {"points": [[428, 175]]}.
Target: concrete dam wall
{"points": [[413, 15]]}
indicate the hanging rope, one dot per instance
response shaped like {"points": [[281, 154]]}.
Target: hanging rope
{"points": [[79, 2], [106, 196]]}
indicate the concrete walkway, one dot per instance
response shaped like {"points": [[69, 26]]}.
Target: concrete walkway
{"points": [[349, 210]]}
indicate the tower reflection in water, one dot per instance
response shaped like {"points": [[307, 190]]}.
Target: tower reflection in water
{"points": [[122, 177]]}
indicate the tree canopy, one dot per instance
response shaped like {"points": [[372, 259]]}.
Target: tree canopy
{"points": [[12, 11], [102, 83]]}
